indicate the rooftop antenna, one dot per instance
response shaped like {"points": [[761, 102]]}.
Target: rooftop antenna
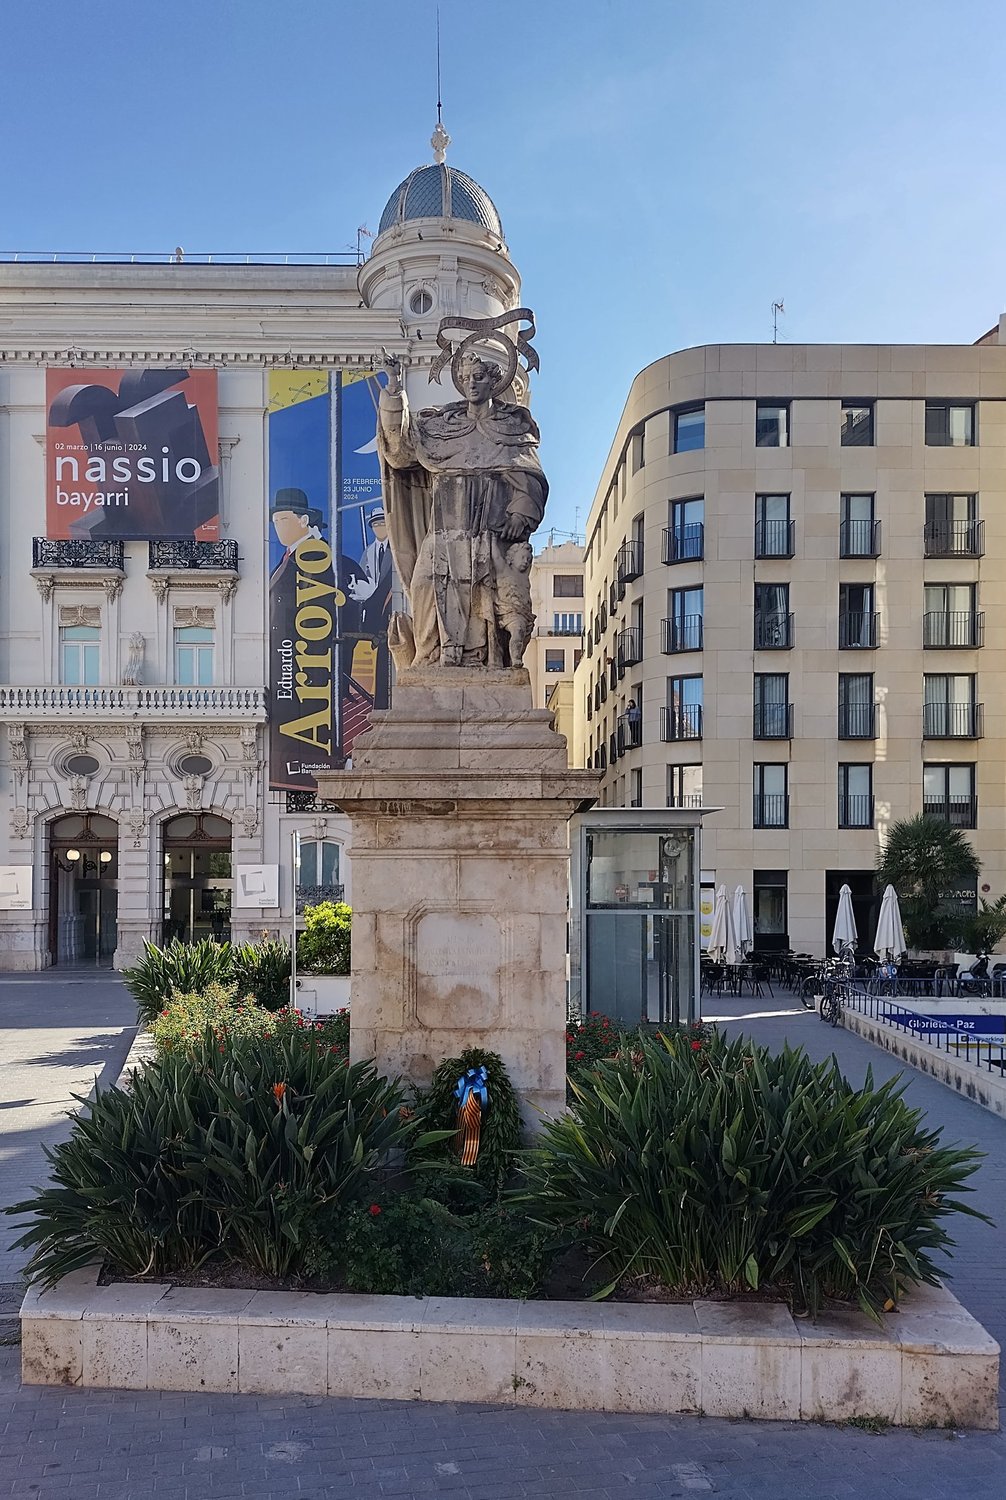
{"points": [[777, 308], [439, 140]]}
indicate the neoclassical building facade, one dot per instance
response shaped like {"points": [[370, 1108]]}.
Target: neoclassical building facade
{"points": [[166, 684]]}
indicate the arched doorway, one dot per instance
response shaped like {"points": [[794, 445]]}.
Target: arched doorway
{"points": [[197, 878], [83, 889]]}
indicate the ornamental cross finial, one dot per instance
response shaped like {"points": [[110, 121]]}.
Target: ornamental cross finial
{"points": [[439, 140]]}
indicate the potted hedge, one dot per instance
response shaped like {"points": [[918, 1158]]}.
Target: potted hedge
{"points": [[323, 958]]}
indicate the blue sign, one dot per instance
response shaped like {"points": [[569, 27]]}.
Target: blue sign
{"points": [[979, 1026]]}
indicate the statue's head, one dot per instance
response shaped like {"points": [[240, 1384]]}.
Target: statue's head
{"points": [[478, 378]]}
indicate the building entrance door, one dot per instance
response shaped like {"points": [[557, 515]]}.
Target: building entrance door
{"points": [[197, 878], [83, 889]]}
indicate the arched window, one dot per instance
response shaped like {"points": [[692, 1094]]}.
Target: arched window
{"points": [[318, 873]]}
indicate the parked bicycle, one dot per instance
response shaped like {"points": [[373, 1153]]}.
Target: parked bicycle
{"points": [[827, 991]]}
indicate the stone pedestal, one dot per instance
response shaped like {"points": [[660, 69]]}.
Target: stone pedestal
{"points": [[459, 798]]}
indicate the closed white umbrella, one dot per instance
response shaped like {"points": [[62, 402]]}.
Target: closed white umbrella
{"points": [[723, 939], [742, 922], [890, 940], [845, 922]]}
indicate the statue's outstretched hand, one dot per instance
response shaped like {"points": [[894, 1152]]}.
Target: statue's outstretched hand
{"points": [[515, 529], [392, 366]]}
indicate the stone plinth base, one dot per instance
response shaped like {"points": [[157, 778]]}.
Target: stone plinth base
{"points": [[459, 798]]}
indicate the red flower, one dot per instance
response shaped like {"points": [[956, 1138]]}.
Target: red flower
{"points": [[278, 1090], [375, 1209], [696, 1046], [578, 1056]]}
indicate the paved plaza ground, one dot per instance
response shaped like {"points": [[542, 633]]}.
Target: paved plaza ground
{"points": [[57, 1033]]}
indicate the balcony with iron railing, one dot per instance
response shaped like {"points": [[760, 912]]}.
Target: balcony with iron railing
{"points": [[630, 730], [775, 538], [683, 543], [952, 721], [74, 552], [959, 812], [859, 539], [773, 721], [953, 630], [182, 555], [857, 630], [682, 723], [855, 811], [857, 721], [314, 895], [613, 751], [629, 647], [683, 633], [954, 538], [138, 703], [629, 561], [771, 810], [773, 631]]}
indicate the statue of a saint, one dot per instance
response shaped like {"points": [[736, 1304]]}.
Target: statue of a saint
{"points": [[463, 491]]}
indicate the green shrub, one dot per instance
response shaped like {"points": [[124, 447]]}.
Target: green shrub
{"points": [[590, 1040], [500, 1134], [178, 968], [715, 1167], [262, 970], [218, 1019], [324, 945], [254, 1153]]}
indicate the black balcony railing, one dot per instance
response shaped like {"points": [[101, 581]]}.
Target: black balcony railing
{"points": [[959, 812], [629, 562], [683, 543], [857, 721], [221, 555], [682, 723], [683, 633], [613, 747], [74, 553], [952, 721], [630, 728], [314, 895], [630, 646], [954, 538], [772, 631], [773, 721], [303, 801], [614, 596], [857, 630], [859, 539], [855, 811], [771, 810], [775, 538], [963, 627]]}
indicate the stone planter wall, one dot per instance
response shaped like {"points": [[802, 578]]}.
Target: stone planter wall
{"points": [[932, 1364]]}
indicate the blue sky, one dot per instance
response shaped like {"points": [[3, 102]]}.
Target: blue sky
{"points": [[664, 170]]}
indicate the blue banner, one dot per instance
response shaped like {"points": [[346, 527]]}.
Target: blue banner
{"points": [[986, 1026]]}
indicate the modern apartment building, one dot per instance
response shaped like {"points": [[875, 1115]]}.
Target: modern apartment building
{"points": [[795, 598], [556, 646]]}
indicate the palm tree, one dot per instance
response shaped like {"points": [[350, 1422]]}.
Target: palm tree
{"points": [[925, 859]]}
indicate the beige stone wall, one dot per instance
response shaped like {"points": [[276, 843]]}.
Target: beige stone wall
{"points": [[815, 470]]}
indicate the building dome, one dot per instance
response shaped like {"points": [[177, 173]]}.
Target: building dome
{"points": [[438, 191]]}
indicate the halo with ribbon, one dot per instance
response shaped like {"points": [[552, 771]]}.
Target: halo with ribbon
{"points": [[487, 331]]}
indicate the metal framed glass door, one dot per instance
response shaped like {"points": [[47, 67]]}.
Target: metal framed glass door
{"points": [[198, 883]]}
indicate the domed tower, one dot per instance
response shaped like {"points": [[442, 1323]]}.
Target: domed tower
{"points": [[439, 251]]}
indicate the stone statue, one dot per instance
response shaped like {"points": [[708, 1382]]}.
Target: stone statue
{"points": [[463, 491], [132, 672]]}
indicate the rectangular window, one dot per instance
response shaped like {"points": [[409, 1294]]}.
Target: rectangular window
{"points": [[771, 799], [949, 709], [773, 712], [952, 526], [637, 450], [857, 620], [859, 530], [555, 661], [636, 788], [773, 623], [772, 424], [774, 531], [856, 710], [689, 430], [950, 424], [684, 786], [567, 586], [855, 796], [79, 655], [948, 792], [683, 626], [770, 909], [567, 624], [194, 656], [681, 719], [857, 424], [950, 618], [684, 537]]}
